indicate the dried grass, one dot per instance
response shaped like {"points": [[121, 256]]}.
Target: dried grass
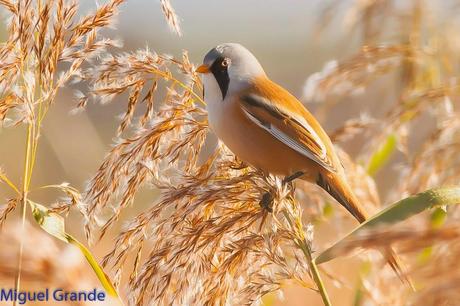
{"points": [[41, 37]]}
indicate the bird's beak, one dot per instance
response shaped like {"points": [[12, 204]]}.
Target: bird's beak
{"points": [[203, 69]]}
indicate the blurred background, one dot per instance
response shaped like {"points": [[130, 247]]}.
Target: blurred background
{"points": [[292, 41]]}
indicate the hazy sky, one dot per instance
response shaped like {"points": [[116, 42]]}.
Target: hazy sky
{"points": [[278, 32]]}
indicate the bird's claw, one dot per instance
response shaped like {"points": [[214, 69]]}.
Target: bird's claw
{"points": [[267, 202]]}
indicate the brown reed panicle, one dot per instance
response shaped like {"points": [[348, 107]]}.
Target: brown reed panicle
{"points": [[179, 122], [46, 48], [41, 35], [73, 199], [416, 100], [210, 241]]}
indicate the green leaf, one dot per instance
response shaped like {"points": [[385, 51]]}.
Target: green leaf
{"points": [[382, 155], [54, 225], [103, 278], [397, 212]]}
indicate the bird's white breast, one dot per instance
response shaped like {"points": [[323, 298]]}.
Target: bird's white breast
{"points": [[214, 103], [229, 124], [221, 112]]}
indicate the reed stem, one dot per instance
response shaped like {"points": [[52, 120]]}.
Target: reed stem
{"points": [[25, 190], [304, 246]]}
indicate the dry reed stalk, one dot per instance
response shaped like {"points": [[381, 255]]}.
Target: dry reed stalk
{"points": [[41, 36]]}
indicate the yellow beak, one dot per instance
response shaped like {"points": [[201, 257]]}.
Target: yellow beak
{"points": [[203, 69]]}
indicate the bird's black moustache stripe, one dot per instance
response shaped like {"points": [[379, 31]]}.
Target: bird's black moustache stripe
{"points": [[220, 72]]}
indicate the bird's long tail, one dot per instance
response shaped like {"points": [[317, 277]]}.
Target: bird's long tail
{"points": [[339, 189]]}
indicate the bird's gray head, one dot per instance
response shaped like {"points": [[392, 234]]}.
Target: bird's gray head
{"points": [[231, 62]]}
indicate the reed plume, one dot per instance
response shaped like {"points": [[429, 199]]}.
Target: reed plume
{"points": [[207, 224]]}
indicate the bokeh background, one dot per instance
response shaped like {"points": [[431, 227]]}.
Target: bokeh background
{"points": [[292, 40]]}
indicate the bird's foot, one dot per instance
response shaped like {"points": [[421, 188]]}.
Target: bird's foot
{"points": [[267, 199], [267, 202]]}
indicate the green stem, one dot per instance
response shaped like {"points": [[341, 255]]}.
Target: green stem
{"points": [[304, 246], [29, 159], [5, 179], [25, 190]]}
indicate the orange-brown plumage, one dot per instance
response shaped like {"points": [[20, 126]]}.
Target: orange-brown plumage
{"points": [[274, 156]]}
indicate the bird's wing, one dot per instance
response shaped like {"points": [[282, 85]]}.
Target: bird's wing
{"points": [[291, 128]]}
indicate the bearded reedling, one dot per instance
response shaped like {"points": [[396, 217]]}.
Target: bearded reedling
{"points": [[267, 127]]}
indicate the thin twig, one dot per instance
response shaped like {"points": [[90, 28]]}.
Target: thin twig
{"points": [[4, 178]]}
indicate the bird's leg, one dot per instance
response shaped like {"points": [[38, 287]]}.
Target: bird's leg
{"points": [[290, 178], [267, 199]]}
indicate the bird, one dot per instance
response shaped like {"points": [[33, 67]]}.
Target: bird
{"points": [[267, 127]]}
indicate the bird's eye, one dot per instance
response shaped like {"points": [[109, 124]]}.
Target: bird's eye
{"points": [[225, 63]]}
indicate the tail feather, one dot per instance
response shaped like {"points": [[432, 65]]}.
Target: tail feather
{"points": [[338, 188], [340, 191]]}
